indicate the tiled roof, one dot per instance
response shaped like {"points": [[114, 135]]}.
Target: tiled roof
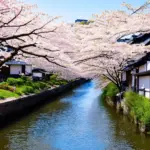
{"points": [[139, 59], [40, 70], [16, 62], [137, 38]]}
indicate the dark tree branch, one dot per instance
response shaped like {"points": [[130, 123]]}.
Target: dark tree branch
{"points": [[43, 56], [141, 7], [92, 57], [11, 20]]}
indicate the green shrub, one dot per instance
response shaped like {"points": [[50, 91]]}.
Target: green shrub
{"points": [[29, 83], [2, 97], [24, 85], [15, 82], [27, 89], [63, 82], [42, 85], [19, 81], [36, 85], [55, 80], [109, 91], [11, 81], [5, 94], [36, 91], [25, 78], [5, 86], [53, 77], [18, 91], [39, 85], [139, 106]]}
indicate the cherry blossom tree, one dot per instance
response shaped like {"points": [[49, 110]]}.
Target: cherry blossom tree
{"points": [[140, 9], [34, 37], [100, 53], [26, 32], [89, 50]]}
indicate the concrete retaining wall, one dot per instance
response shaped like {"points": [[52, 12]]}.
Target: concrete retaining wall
{"points": [[121, 106], [11, 108]]}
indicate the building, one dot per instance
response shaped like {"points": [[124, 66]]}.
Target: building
{"points": [[136, 75], [16, 67], [81, 20], [137, 38], [40, 74]]}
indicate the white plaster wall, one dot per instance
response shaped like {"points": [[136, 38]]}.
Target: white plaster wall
{"points": [[142, 68], [133, 77], [28, 69], [141, 93], [147, 94], [37, 74], [148, 65], [15, 69], [144, 82], [124, 76]]}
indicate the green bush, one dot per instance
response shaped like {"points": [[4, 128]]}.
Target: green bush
{"points": [[15, 82], [63, 82], [36, 85], [55, 80], [53, 77], [139, 106], [42, 85], [29, 83], [11, 81], [25, 78], [27, 89], [24, 85], [5, 86], [5, 94], [39, 85], [2, 97], [109, 91], [18, 91], [36, 91]]}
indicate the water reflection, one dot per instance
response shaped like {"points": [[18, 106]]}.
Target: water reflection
{"points": [[76, 121], [125, 130]]}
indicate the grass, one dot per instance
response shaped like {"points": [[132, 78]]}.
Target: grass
{"points": [[6, 94], [15, 87], [139, 106], [109, 91]]}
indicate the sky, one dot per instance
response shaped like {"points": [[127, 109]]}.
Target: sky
{"points": [[70, 10]]}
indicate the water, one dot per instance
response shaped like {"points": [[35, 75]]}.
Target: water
{"points": [[79, 120]]}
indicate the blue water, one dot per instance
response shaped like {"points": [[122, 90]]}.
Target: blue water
{"points": [[78, 120]]}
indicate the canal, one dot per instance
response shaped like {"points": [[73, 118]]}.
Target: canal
{"points": [[78, 120]]}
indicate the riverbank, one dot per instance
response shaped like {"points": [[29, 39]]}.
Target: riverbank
{"points": [[17, 87], [132, 105], [11, 109]]}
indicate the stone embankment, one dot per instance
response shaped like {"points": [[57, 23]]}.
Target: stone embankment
{"points": [[122, 108], [11, 108]]}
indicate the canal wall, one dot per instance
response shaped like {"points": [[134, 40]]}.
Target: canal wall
{"points": [[12, 108], [121, 107]]}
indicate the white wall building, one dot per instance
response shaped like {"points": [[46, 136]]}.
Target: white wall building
{"points": [[140, 74], [19, 67]]}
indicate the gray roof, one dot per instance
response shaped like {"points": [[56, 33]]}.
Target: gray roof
{"points": [[40, 70], [136, 59], [16, 62], [137, 38]]}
